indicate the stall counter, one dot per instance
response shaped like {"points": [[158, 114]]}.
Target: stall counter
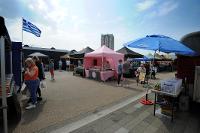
{"points": [[104, 75]]}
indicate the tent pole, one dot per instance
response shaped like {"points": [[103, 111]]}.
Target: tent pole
{"points": [[69, 63], [3, 85], [154, 57], [102, 63]]}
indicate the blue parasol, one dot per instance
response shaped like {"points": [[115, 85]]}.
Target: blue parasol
{"points": [[161, 43]]}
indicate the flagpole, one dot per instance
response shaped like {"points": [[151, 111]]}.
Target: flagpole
{"points": [[22, 31]]}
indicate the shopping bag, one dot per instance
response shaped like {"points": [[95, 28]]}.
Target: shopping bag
{"points": [[43, 84], [24, 89], [142, 76]]}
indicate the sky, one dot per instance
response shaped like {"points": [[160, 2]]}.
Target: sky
{"points": [[75, 24]]}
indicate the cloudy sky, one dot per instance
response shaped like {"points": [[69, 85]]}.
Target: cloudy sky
{"points": [[75, 24]]}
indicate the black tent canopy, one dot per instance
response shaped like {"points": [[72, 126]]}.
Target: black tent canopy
{"points": [[192, 41], [129, 53], [82, 52]]}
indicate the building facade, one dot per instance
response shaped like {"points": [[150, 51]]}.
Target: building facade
{"points": [[108, 40]]}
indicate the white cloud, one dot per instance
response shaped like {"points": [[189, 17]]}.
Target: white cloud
{"points": [[164, 9], [52, 10], [167, 7], [145, 5], [66, 27]]}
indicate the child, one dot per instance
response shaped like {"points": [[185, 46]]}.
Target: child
{"points": [[51, 69]]}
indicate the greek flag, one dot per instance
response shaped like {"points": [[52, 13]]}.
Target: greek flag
{"points": [[29, 27]]}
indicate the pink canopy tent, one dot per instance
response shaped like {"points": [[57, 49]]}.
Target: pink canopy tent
{"points": [[101, 55]]}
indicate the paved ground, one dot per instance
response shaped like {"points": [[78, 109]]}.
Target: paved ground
{"points": [[71, 98], [138, 118]]}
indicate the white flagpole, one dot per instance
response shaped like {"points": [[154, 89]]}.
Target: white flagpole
{"points": [[22, 31]]}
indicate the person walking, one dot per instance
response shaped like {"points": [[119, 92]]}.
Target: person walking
{"points": [[40, 75], [51, 69], [126, 68], [32, 81], [60, 65], [119, 72], [141, 73], [68, 65]]}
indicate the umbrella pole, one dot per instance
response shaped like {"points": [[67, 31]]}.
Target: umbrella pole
{"points": [[3, 85]]}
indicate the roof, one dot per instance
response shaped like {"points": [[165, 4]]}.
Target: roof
{"points": [[103, 51], [86, 50], [38, 54], [129, 52], [46, 49], [73, 52], [192, 40]]}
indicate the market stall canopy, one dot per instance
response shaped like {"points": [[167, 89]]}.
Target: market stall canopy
{"points": [[140, 59], [170, 56], [73, 52], [82, 52], [158, 56], [161, 43], [129, 53], [66, 56], [192, 41], [86, 50], [103, 51], [38, 54], [100, 56]]}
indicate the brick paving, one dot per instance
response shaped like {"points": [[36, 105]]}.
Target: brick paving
{"points": [[68, 98], [71, 98], [138, 118]]}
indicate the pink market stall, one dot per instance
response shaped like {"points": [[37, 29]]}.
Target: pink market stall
{"points": [[101, 64]]}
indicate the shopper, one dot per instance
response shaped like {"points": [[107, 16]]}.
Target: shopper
{"points": [[119, 72], [67, 64], [60, 65], [51, 69], [32, 81], [126, 73], [40, 75], [141, 73]]}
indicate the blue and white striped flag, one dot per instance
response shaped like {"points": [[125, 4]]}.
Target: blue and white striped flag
{"points": [[29, 27]]}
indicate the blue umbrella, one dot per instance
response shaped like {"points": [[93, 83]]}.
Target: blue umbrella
{"points": [[160, 43]]}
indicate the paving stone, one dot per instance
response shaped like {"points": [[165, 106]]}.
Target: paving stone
{"points": [[139, 128], [117, 117], [99, 126], [85, 130], [112, 129], [149, 119], [139, 105], [125, 120], [130, 110], [136, 121], [150, 129], [122, 130]]}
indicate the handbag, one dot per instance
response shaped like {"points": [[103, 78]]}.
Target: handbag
{"points": [[43, 84]]}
